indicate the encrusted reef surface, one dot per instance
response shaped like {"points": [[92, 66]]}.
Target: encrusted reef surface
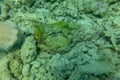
{"points": [[60, 40]]}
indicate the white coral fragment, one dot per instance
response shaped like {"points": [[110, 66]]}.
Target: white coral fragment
{"points": [[8, 35]]}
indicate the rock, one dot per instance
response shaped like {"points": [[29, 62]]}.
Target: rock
{"points": [[4, 71], [28, 50], [25, 70], [8, 35], [15, 67]]}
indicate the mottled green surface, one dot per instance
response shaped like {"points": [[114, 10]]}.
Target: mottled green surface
{"points": [[86, 32], [53, 37]]}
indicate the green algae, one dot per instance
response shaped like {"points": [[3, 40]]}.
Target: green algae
{"points": [[16, 67], [53, 37], [111, 1]]}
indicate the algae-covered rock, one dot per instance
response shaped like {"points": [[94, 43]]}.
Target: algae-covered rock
{"points": [[88, 51], [16, 67], [54, 44], [53, 37], [27, 2], [10, 67], [111, 1], [4, 71], [26, 72], [28, 50], [99, 68]]}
